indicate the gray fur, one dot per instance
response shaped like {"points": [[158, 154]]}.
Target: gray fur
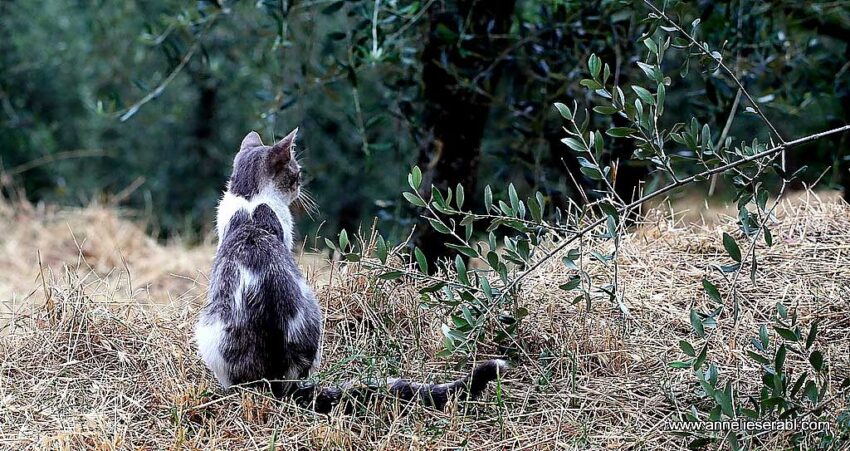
{"points": [[261, 321]]}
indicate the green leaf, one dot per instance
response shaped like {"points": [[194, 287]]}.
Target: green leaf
{"points": [[381, 249], [731, 247], [651, 45], [811, 392], [330, 244], [421, 260], [391, 275], [758, 358], [813, 333], [413, 199], [439, 226], [799, 384], [781, 310], [816, 359], [437, 197], [696, 323], [333, 7], [712, 291], [513, 197], [620, 132], [574, 282], [343, 240], [465, 250], [594, 65], [685, 364], [414, 179], [488, 198], [661, 93], [459, 196], [779, 360], [590, 84], [703, 354], [564, 110], [592, 173], [644, 95], [687, 348], [725, 400], [763, 336], [787, 334], [460, 266], [606, 110], [574, 144]]}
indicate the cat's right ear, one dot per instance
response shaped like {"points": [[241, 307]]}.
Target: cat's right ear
{"points": [[251, 140]]}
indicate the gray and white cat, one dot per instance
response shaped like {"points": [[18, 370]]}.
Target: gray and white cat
{"points": [[262, 321]]}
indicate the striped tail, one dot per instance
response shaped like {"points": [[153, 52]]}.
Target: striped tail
{"points": [[433, 395]]}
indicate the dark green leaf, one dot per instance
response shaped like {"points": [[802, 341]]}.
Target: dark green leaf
{"points": [[731, 247], [696, 323], [391, 275], [687, 348], [712, 291], [459, 196], [413, 199], [574, 144], [816, 359], [438, 226], [813, 333], [787, 334], [343, 240], [564, 110], [333, 7], [415, 178], [644, 95], [758, 358], [574, 282], [685, 364], [465, 250], [620, 132], [421, 260], [381, 249]]}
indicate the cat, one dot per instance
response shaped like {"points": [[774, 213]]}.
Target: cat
{"points": [[262, 321]]}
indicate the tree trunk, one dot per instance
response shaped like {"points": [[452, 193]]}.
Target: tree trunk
{"points": [[460, 74]]}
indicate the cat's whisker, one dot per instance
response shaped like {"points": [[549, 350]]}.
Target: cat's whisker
{"points": [[306, 201]]}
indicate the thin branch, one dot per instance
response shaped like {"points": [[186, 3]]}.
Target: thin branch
{"points": [[719, 62], [59, 156], [666, 189], [723, 136], [133, 109]]}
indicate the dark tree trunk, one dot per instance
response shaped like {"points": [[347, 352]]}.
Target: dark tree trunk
{"points": [[459, 78]]}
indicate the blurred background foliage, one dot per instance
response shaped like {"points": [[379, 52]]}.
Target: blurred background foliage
{"points": [[143, 103]]}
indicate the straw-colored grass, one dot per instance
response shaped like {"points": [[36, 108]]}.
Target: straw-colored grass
{"points": [[96, 350]]}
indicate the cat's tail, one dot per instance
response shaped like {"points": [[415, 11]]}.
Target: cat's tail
{"points": [[323, 400]]}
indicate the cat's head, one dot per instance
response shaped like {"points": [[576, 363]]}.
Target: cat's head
{"points": [[272, 170]]}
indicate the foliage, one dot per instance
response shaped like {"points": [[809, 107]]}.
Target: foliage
{"points": [[497, 248], [165, 90]]}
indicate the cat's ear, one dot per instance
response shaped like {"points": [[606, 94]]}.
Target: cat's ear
{"points": [[282, 151], [251, 140]]}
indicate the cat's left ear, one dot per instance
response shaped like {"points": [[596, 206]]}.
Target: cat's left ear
{"points": [[282, 151], [251, 140]]}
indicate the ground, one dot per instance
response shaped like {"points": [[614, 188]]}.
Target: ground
{"points": [[95, 348]]}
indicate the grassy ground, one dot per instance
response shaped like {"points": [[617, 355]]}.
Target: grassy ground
{"points": [[95, 352]]}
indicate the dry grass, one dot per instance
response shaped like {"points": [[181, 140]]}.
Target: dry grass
{"points": [[86, 363]]}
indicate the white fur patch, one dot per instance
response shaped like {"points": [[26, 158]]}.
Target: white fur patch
{"points": [[209, 336], [248, 283], [230, 204], [296, 324]]}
